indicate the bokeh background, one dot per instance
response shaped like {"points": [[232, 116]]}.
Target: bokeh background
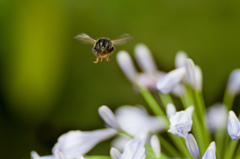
{"points": [[50, 85]]}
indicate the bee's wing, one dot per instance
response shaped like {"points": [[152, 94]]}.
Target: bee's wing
{"points": [[122, 40], [85, 38]]}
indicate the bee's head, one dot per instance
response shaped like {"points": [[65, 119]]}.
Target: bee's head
{"points": [[103, 43]]}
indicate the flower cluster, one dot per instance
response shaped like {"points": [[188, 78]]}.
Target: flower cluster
{"points": [[193, 132]]}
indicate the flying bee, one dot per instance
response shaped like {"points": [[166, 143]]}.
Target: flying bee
{"points": [[103, 47]]}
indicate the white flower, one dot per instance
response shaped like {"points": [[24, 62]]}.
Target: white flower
{"points": [[126, 64], [233, 86], [198, 74], [133, 120], [181, 122], [233, 126], [135, 149], [171, 110], [108, 116], [149, 81], [75, 143], [216, 117], [191, 73], [150, 75], [115, 153], [59, 155], [145, 59], [192, 146], [179, 90], [155, 144], [210, 152], [80, 157], [180, 58], [171, 80]]}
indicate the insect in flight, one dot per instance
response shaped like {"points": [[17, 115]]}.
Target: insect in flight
{"points": [[103, 47]]}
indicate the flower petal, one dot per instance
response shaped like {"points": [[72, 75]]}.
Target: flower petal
{"points": [[210, 152], [198, 74], [155, 144], [180, 58], [145, 59], [216, 117], [134, 119], [181, 122], [115, 153], [171, 110], [126, 64], [59, 155], [108, 116], [233, 86], [192, 146], [191, 73], [170, 80], [135, 149], [76, 143], [233, 126]]}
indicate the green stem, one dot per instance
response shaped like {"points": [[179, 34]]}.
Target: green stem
{"points": [[231, 149], [228, 100], [180, 145], [152, 102], [166, 99], [237, 156], [169, 148], [200, 105], [219, 139]]}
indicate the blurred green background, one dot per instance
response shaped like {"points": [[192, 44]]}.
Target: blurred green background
{"points": [[49, 83]]}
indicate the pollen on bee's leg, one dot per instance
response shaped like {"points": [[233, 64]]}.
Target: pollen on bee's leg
{"points": [[96, 60]]}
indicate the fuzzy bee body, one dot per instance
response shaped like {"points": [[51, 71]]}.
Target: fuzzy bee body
{"points": [[103, 47]]}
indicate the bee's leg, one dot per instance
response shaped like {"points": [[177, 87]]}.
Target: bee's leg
{"points": [[107, 58], [101, 59], [96, 60]]}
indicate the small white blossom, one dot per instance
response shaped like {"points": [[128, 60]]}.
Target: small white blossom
{"points": [[233, 126], [233, 86], [135, 149], [119, 142], [149, 81], [179, 90], [115, 153], [180, 58], [59, 155], [145, 59], [216, 117], [171, 110], [126, 64], [150, 75], [133, 120], [155, 144], [108, 116], [181, 122], [191, 73], [192, 146], [171, 80], [80, 157], [198, 74], [210, 152], [75, 143]]}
